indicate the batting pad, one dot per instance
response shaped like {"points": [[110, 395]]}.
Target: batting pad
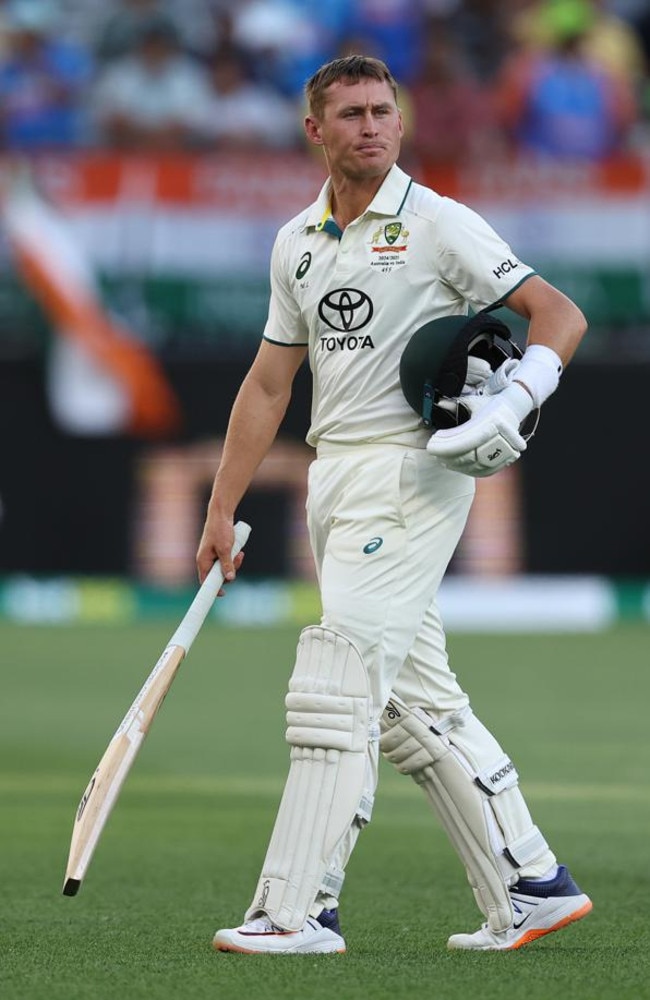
{"points": [[472, 787], [328, 727]]}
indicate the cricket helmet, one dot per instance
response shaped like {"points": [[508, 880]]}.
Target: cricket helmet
{"points": [[434, 364]]}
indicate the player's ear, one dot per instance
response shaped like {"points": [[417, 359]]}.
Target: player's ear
{"points": [[313, 130]]}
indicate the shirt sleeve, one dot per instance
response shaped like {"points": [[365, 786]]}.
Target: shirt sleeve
{"points": [[285, 323], [474, 259]]}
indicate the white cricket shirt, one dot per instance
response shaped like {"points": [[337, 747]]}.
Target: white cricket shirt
{"points": [[357, 297]]}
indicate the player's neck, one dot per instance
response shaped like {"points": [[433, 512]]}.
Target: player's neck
{"points": [[350, 197]]}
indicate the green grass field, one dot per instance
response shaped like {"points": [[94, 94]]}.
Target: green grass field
{"points": [[181, 853]]}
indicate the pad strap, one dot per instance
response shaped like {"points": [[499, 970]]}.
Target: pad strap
{"points": [[525, 849]]}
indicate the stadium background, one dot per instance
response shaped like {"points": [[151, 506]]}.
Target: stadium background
{"points": [[100, 523], [164, 234]]}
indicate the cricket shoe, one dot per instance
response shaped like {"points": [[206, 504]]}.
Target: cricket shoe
{"points": [[317, 936], [539, 908]]}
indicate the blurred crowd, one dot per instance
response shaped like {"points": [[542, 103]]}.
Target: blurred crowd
{"points": [[556, 78]]}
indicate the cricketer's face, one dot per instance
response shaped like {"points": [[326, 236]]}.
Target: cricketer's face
{"points": [[360, 129]]}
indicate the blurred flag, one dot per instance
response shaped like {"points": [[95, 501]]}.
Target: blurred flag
{"points": [[101, 380]]}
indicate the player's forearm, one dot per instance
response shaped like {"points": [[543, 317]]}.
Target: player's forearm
{"points": [[554, 321], [559, 325], [254, 423], [253, 426]]}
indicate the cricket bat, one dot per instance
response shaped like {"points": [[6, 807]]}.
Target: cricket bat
{"points": [[104, 787]]}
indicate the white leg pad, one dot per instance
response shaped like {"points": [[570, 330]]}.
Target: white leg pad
{"points": [[472, 786], [327, 789]]}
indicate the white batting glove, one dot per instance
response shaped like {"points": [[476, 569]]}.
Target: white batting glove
{"points": [[478, 373], [490, 440], [480, 382], [501, 378]]}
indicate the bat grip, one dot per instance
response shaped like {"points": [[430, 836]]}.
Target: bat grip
{"points": [[189, 627]]}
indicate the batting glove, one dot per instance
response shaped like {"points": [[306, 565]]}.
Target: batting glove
{"points": [[490, 440]]}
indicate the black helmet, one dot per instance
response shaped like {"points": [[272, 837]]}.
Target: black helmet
{"points": [[435, 360]]}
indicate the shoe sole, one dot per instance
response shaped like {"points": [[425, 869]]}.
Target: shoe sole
{"points": [[237, 949], [539, 932], [527, 937], [324, 942]]}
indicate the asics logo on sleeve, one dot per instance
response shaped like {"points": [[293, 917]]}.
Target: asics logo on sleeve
{"points": [[304, 265]]}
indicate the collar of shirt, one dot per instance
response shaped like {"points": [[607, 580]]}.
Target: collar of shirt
{"points": [[389, 200]]}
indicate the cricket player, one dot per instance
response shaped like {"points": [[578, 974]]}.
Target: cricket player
{"points": [[353, 276]]}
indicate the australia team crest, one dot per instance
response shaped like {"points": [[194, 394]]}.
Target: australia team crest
{"points": [[389, 247]]}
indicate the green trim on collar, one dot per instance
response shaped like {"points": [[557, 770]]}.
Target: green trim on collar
{"points": [[331, 228], [406, 194]]}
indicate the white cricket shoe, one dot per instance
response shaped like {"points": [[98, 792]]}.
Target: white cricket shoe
{"points": [[539, 908], [262, 937]]}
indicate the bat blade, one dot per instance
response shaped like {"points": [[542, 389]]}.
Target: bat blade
{"points": [[104, 787]]}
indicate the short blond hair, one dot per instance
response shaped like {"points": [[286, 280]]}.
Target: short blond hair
{"points": [[350, 69]]}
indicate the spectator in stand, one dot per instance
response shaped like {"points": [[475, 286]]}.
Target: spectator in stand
{"points": [[612, 41], [642, 25], [154, 99], [245, 114], [4, 32], [394, 31], [556, 101], [42, 81], [481, 28], [196, 21], [123, 21], [289, 39], [77, 20], [453, 116], [642, 29]]}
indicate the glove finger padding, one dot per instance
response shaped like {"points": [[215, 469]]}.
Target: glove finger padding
{"points": [[478, 375], [490, 440], [501, 378], [480, 384]]}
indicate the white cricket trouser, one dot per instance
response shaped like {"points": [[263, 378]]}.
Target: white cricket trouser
{"points": [[384, 521]]}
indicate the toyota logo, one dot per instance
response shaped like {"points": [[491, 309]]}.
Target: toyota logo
{"points": [[345, 309]]}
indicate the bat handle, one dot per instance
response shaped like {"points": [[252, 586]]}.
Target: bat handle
{"points": [[188, 629]]}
